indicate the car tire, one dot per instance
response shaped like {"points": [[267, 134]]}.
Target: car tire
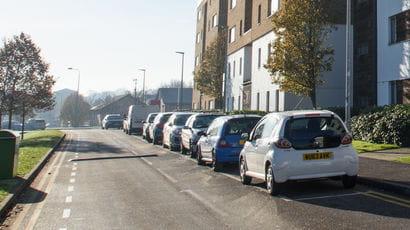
{"points": [[242, 172], [349, 181], [183, 149], [199, 157], [155, 141], [193, 150], [272, 187], [216, 165]]}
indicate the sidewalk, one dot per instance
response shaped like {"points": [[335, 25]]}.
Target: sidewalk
{"points": [[376, 169]]}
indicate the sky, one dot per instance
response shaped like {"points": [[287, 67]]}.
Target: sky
{"points": [[108, 41]]}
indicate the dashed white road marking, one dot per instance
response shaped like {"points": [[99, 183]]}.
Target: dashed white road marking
{"points": [[322, 197], [205, 202], [72, 180], [76, 153], [69, 199], [66, 213], [62, 229], [75, 164], [73, 174], [70, 188], [167, 176], [74, 168], [146, 161]]}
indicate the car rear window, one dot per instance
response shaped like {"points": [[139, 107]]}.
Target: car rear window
{"points": [[203, 121], [164, 118], [181, 119], [114, 118], [240, 125], [314, 132], [151, 118]]}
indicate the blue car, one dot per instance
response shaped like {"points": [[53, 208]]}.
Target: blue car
{"points": [[222, 142]]}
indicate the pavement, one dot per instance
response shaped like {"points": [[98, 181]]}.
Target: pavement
{"points": [[376, 169]]}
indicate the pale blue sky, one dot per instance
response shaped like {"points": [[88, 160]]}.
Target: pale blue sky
{"points": [[108, 40]]}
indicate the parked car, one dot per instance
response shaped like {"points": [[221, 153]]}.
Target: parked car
{"points": [[15, 125], [197, 123], [155, 129], [298, 145], [172, 130], [136, 116], [147, 123], [222, 141], [35, 124], [112, 121]]}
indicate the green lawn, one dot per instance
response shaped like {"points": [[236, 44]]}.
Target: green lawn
{"points": [[34, 146], [403, 160], [362, 146]]}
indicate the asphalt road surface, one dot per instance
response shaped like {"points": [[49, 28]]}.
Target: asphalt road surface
{"points": [[104, 179]]}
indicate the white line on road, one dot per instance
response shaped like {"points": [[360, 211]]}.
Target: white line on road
{"points": [[69, 199], [146, 161], [70, 188], [167, 176], [75, 164], [62, 229], [74, 168], [76, 153], [322, 197], [73, 174], [205, 202], [72, 180], [66, 213]]}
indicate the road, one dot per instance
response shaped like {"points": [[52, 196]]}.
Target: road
{"points": [[104, 179]]}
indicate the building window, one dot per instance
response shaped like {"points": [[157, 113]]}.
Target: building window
{"points": [[196, 61], [234, 68], [273, 6], [257, 101], [233, 4], [229, 70], [259, 13], [259, 58], [248, 15], [400, 27], [232, 34], [239, 102], [233, 103], [199, 15], [240, 28], [198, 37], [240, 66], [267, 100], [215, 20]]}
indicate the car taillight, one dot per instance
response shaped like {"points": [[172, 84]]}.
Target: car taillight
{"points": [[282, 143], [347, 139], [223, 143], [159, 125]]}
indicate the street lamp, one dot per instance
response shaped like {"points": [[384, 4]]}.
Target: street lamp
{"points": [[78, 91], [143, 85], [348, 66], [182, 80]]}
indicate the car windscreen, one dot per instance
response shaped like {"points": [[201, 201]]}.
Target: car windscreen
{"points": [[151, 118], [203, 121], [240, 125], [181, 119], [164, 118], [114, 118], [314, 132]]}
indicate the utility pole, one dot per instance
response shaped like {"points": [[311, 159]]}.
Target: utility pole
{"points": [[135, 80], [348, 65]]}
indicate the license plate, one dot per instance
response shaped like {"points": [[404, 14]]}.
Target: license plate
{"points": [[317, 156], [241, 142]]}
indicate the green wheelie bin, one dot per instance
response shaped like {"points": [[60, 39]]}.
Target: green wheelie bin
{"points": [[9, 151]]}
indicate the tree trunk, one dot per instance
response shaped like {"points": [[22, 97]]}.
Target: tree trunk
{"points": [[313, 97], [10, 117]]}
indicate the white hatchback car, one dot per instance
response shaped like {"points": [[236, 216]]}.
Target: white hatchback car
{"points": [[298, 145]]}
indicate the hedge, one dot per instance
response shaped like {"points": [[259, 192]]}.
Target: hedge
{"points": [[385, 125]]}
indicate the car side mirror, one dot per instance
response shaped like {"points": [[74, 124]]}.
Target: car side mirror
{"points": [[245, 136]]}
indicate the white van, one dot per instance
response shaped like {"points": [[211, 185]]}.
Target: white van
{"points": [[136, 117]]}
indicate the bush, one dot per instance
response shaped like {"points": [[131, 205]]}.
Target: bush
{"points": [[256, 112], [385, 125]]}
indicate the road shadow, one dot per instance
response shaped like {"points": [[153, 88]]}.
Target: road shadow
{"points": [[94, 147], [113, 158]]}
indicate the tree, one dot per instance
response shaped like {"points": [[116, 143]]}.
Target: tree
{"points": [[25, 84], [208, 76], [75, 111], [300, 55]]}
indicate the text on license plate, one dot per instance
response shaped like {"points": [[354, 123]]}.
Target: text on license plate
{"points": [[317, 156]]}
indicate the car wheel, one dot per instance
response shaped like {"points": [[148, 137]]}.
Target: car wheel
{"points": [[271, 185], [155, 140], [194, 150], [217, 166], [349, 181], [199, 157], [242, 172], [183, 149]]}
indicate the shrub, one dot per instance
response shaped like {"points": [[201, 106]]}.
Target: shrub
{"points": [[388, 125], [256, 112]]}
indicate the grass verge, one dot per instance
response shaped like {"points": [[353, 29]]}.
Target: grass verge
{"points": [[362, 146], [34, 146], [403, 160]]}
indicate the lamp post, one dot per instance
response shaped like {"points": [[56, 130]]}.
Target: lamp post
{"points": [[78, 92], [182, 80], [143, 85], [348, 66]]}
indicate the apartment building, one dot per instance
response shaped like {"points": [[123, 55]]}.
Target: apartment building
{"points": [[249, 84], [211, 18]]}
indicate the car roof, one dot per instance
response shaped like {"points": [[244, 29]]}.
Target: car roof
{"points": [[302, 113], [239, 116]]}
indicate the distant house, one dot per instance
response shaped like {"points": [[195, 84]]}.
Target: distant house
{"points": [[119, 105], [168, 99]]}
